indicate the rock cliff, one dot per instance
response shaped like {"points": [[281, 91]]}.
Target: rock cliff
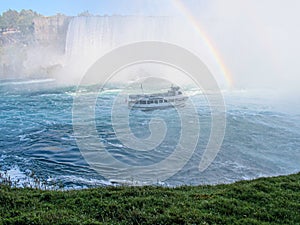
{"points": [[51, 31], [32, 53]]}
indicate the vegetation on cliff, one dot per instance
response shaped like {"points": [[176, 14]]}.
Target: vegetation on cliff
{"points": [[263, 201], [14, 21]]}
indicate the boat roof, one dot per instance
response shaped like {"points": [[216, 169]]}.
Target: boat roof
{"points": [[156, 95]]}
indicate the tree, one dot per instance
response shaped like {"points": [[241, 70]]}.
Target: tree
{"points": [[9, 19], [85, 13], [25, 21]]}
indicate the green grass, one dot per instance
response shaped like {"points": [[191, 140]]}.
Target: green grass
{"points": [[263, 201]]}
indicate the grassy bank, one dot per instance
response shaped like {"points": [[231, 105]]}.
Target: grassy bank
{"points": [[267, 200]]}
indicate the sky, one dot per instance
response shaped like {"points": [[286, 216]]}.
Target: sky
{"points": [[74, 7]]}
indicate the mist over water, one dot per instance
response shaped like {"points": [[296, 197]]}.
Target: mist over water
{"points": [[89, 38], [258, 43]]}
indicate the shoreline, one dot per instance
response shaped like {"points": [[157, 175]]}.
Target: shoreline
{"points": [[272, 200]]}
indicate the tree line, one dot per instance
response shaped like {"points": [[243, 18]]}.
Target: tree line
{"points": [[21, 21]]}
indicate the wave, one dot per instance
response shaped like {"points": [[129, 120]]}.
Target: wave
{"points": [[35, 81], [17, 177]]}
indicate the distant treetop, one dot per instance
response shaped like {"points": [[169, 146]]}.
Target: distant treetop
{"points": [[22, 20], [85, 13]]}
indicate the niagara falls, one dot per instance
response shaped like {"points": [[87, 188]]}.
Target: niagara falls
{"points": [[151, 96]]}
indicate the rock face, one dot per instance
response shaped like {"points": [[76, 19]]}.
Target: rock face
{"points": [[51, 31], [33, 53]]}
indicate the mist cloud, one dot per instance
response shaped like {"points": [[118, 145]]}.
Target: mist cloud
{"points": [[259, 41]]}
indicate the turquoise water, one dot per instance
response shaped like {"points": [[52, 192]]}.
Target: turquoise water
{"points": [[36, 137]]}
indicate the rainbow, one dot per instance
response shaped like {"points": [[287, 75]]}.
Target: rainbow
{"points": [[209, 44]]}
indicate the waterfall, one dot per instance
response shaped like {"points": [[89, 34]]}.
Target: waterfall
{"points": [[93, 36], [89, 38]]}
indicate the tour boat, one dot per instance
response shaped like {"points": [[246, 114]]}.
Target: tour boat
{"points": [[173, 98]]}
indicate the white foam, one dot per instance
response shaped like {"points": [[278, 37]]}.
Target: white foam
{"points": [[127, 182], [17, 177], [35, 81], [81, 180]]}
